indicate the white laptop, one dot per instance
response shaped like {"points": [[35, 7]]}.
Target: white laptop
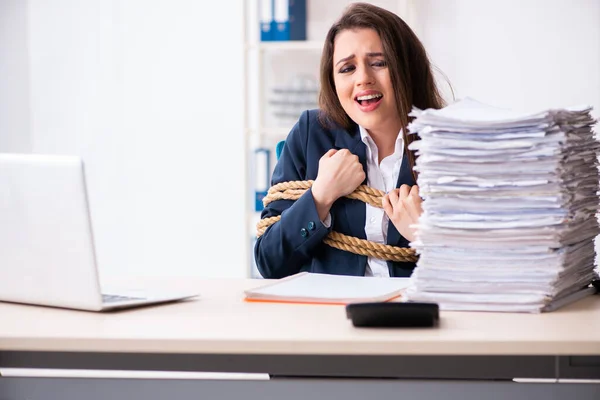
{"points": [[47, 252]]}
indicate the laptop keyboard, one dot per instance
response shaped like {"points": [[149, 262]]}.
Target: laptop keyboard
{"points": [[111, 298]]}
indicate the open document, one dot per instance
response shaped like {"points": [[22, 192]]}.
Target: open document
{"points": [[509, 210], [306, 287]]}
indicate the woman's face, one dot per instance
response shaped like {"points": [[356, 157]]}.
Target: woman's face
{"points": [[362, 80]]}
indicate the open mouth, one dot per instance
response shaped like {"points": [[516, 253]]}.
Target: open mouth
{"points": [[369, 99], [369, 102]]}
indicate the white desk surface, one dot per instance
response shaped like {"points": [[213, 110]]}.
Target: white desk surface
{"points": [[221, 322]]}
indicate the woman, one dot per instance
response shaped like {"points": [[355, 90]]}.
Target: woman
{"points": [[373, 71]]}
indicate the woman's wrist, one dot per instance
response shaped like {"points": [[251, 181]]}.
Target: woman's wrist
{"points": [[322, 195], [322, 200]]}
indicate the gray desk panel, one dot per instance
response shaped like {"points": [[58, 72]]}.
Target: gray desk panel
{"points": [[288, 389], [409, 367]]}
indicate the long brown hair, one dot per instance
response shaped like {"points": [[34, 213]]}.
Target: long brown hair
{"points": [[409, 67]]}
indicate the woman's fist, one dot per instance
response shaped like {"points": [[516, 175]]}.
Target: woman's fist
{"points": [[340, 173], [403, 207]]}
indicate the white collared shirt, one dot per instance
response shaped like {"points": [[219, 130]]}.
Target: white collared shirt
{"points": [[384, 177]]}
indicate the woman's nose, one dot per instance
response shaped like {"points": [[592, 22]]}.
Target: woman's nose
{"points": [[364, 77]]}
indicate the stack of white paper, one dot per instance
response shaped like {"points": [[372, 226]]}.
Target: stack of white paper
{"points": [[509, 211]]}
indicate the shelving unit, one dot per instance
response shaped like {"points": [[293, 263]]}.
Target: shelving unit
{"points": [[284, 65]]}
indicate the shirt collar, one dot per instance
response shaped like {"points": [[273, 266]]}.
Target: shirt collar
{"points": [[368, 140]]}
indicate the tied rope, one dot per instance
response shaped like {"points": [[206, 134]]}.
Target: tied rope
{"points": [[293, 191]]}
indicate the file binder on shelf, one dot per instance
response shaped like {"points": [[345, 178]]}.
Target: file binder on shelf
{"points": [[267, 24], [290, 20]]}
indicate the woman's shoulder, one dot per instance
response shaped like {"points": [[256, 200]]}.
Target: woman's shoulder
{"points": [[312, 114], [307, 125], [311, 119], [314, 130], [315, 121]]}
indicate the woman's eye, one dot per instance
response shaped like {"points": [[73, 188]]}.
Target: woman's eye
{"points": [[346, 68], [379, 63]]}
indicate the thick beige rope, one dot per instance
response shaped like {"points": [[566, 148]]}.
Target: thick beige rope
{"points": [[293, 191]]}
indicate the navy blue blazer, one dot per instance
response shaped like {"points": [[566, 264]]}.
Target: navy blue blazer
{"points": [[295, 243]]}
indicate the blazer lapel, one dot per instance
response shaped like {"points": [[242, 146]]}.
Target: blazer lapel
{"points": [[355, 209]]}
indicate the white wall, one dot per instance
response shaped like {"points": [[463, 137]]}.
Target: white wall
{"points": [[15, 132], [149, 92], [522, 54]]}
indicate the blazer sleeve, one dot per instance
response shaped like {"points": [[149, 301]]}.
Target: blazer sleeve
{"points": [[290, 243]]}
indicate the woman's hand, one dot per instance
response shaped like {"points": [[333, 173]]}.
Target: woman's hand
{"points": [[340, 173], [403, 207]]}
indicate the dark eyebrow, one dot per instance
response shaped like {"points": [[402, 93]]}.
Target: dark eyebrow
{"points": [[345, 59], [352, 56]]}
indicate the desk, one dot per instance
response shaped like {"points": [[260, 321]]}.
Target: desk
{"points": [[312, 351]]}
